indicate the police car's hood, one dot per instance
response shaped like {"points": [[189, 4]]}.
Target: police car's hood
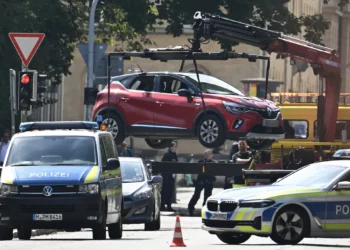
{"points": [[130, 188], [50, 175], [262, 192]]}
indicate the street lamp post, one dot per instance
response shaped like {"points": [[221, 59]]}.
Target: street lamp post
{"points": [[90, 71]]}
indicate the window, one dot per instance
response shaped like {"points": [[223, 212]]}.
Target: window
{"points": [[296, 129], [143, 83], [132, 172], [340, 125], [345, 178], [53, 150], [322, 175], [103, 153], [109, 146], [212, 85], [169, 84]]}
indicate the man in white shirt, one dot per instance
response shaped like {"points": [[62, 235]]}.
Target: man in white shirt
{"points": [[4, 144]]}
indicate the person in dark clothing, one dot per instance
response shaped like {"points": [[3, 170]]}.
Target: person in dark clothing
{"points": [[243, 154], [124, 151], [234, 149], [204, 181], [168, 179]]}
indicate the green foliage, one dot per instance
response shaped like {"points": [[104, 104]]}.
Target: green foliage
{"points": [[341, 3], [122, 23], [65, 22], [272, 14], [55, 53]]}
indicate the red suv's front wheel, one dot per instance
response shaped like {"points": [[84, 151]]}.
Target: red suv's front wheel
{"points": [[116, 127], [210, 132]]}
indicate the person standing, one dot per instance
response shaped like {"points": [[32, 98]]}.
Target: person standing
{"points": [[168, 179], [204, 181], [124, 151], [4, 144], [242, 154]]}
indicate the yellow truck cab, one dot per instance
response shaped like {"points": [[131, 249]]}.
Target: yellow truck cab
{"points": [[300, 125]]}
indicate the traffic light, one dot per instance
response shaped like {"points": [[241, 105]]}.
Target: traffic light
{"points": [[27, 89], [42, 86]]}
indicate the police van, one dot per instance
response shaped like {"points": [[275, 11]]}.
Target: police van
{"points": [[61, 175]]}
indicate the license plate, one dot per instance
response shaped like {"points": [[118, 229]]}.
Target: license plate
{"points": [[219, 216], [270, 123], [47, 217]]}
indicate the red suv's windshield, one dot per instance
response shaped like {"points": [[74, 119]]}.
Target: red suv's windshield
{"points": [[213, 85]]}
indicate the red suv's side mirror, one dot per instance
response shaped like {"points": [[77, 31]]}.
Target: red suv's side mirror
{"points": [[184, 92]]}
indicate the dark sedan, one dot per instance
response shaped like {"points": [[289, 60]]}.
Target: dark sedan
{"points": [[141, 193]]}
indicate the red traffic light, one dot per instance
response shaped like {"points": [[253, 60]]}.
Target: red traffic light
{"points": [[25, 79]]}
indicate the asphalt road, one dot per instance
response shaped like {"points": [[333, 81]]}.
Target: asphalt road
{"points": [[134, 238]]}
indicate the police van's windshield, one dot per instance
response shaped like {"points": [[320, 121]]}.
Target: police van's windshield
{"points": [[316, 175], [52, 150]]}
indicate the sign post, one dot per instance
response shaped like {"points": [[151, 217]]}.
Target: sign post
{"points": [[26, 45]]}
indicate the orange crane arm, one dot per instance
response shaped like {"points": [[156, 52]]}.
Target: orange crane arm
{"points": [[324, 61]]}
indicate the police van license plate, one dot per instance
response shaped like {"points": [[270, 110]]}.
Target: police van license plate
{"points": [[219, 216], [47, 217]]}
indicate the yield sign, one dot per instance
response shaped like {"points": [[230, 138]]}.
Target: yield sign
{"points": [[26, 45]]}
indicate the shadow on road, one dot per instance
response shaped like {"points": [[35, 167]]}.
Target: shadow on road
{"points": [[125, 239], [305, 245], [324, 245], [142, 230]]}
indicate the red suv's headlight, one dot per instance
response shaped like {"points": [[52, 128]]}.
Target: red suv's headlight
{"points": [[235, 107]]}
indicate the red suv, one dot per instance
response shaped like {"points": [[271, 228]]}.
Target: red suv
{"points": [[162, 106]]}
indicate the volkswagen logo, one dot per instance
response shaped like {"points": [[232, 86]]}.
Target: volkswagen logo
{"points": [[47, 191], [268, 111]]}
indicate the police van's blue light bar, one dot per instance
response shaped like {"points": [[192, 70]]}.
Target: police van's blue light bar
{"points": [[30, 126]]}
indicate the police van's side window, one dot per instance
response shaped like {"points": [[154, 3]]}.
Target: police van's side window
{"points": [[109, 147], [346, 178], [103, 153]]}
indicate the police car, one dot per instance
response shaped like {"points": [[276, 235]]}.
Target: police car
{"points": [[61, 175], [313, 201]]}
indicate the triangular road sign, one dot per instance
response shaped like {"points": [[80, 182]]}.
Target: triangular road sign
{"points": [[26, 45]]}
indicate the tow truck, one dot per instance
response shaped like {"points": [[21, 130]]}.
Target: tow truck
{"points": [[324, 61]]}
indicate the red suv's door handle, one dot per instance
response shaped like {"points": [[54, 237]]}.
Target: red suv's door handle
{"points": [[159, 102], [125, 99]]}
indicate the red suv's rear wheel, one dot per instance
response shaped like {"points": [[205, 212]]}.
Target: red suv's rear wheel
{"points": [[260, 145], [210, 132], [158, 144]]}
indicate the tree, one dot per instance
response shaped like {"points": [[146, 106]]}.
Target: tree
{"points": [[272, 14], [64, 24], [55, 53]]}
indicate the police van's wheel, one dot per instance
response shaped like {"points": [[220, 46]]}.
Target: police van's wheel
{"points": [[99, 232], [210, 132], [6, 234], [24, 233], [290, 226], [234, 238], [116, 127], [115, 230]]}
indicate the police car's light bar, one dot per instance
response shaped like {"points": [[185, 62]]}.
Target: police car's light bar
{"points": [[30, 126]]}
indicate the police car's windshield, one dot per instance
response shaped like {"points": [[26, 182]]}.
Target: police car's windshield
{"points": [[52, 150], [315, 175], [132, 172]]}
